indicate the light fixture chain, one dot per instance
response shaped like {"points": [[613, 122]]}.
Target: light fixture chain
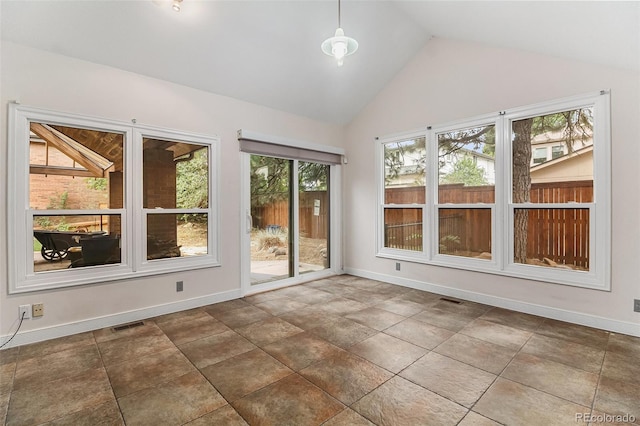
{"points": [[339, 26]]}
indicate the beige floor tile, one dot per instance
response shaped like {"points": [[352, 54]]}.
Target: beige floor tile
{"points": [[341, 306], [301, 350], [229, 305], [513, 319], [59, 398], [622, 367], [422, 297], [281, 306], [240, 317], [107, 414], [292, 400], [146, 371], [499, 334], [419, 333], [400, 402], [378, 319], [443, 318], [9, 356], [4, 406], [216, 348], [452, 379], [343, 332], [402, 307], [58, 365], [307, 319], [565, 352], [148, 328], [181, 316], [56, 345], [369, 297], [348, 417], [346, 377], [312, 296], [574, 333], [572, 384], [245, 373], [128, 348], [184, 331], [618, 397], [338, 290], [171, 403], [462, 307], [268, 331], [390, 289], [511, 403], [475, 419], [388, 352], [263, 297], [477, 353], [7, 373], [624, 345], [225, 416]]}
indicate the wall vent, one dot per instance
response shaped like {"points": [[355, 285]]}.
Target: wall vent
{"points": [[127, 326]]}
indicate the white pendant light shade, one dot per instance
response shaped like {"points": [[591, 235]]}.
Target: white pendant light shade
{"points": [[339, 46]]}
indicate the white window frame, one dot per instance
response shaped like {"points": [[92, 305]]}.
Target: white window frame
{"points": [[434, 205], [22, 277], [394, 253], [599, 275]]}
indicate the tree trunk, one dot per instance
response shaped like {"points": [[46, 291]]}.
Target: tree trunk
{"points": [[521, 185]]}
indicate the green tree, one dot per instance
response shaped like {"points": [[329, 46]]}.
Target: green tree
{"points": [[269, 180], [192, 189], [465, 171]]}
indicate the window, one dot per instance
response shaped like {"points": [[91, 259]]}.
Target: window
{"points": [[404, 193], [466, 193], [85, 212], [523, 193]]}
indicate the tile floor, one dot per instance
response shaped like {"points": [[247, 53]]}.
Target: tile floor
{"points": [[339, 351]]}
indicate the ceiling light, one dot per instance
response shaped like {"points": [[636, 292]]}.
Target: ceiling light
{"points": [[339, 45], [176, 5]]}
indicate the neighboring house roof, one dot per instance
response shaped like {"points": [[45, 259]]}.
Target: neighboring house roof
{"points": [[577, 165]]}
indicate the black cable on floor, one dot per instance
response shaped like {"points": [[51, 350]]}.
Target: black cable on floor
{"points": [[14, 334]]}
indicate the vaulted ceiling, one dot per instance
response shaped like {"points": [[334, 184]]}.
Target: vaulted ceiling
{"points": [[268, 52]]}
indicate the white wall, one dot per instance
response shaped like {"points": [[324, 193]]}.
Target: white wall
{"points": [[451, 80], [40, 79]]}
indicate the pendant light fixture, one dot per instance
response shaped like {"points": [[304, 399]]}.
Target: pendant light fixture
{"points": [[339, 45]]}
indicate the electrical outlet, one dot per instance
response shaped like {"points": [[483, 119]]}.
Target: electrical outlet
{"points": [[37, 310], [24, 312], [179, 285], [636, 305], [397, 266]]}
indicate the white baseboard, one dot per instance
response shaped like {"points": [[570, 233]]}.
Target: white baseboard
{"points": [[623, 327], [39, 335]]}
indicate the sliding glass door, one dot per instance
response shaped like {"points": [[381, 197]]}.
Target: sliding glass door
{"points": [[271, 210], [313, 216], [288, 220]]}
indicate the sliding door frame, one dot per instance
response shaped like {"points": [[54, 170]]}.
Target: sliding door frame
{"points": [[334, 236]]}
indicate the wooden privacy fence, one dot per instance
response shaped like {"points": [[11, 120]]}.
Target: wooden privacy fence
{"points": [[313, 213], [561, 235]]}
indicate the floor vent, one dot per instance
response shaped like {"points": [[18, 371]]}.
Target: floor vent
{"points": [[127, 326], [457, 302]]}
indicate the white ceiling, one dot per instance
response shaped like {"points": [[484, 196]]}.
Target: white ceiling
{"points": [[268, 52]]}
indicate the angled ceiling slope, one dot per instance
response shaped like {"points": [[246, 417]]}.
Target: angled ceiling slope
{"points": [[268, 52]]}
